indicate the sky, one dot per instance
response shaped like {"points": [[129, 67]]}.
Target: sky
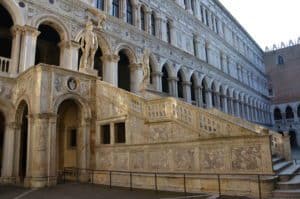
{"points": [[267, 21]]}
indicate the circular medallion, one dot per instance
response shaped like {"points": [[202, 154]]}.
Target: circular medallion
{"points": [[72, 83]]}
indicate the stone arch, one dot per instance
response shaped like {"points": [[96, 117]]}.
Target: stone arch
{"points": [[183, 73], [129, 51], [54, 22], [82, 103], [289, 113], [15, 12]]}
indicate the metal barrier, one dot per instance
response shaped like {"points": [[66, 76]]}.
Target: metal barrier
{"points": [[74, 173]]}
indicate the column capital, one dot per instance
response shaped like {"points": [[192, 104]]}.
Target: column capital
{"points": [[157, 73], [13, 125], [30, 30], [16, 29], [43, 116], [186, 83], [135, 66], [110, 58], [173, 79]]}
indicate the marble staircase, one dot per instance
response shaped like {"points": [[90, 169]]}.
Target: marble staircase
{"points": [[288, 180]]}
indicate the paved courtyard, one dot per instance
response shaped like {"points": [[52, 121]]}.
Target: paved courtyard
{"points": [[83, 191]]}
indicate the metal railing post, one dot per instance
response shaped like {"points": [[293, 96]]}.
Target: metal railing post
{"points": [[259, 186], [219, 185], [155, 182], [184, 184], [130, 181], [110, 179]]}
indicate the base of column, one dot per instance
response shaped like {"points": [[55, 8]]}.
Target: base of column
{"points": [[8, 180], [40, 182]]}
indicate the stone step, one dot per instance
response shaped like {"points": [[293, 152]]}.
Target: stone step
{"points": [[278, 167], [291, 184], [276, 160], [284, 194], [288, 173]]}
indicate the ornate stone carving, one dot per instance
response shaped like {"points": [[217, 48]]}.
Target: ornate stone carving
{"points": [[246, 158], [184, 159], [213, 159]]}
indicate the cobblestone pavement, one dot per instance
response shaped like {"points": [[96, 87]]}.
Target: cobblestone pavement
{"points": [[83, 191]]}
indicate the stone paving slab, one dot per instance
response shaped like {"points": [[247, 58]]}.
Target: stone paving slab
{"points": [[83, 191]]}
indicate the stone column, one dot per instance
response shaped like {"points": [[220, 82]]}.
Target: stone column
{"points": [[123, 10], [136, 77], [173, 33], [237, 108], [52, 149], [38, 155], [173, 86], [7, 173], [187, 91], [110, 69], [15, 50], [199, 96], [136, 15], [69, 55], [108, 6], [189, 6], [156, 80], [28, 47], [197, 9], [209, 98], [225, 104], [148, 20]]}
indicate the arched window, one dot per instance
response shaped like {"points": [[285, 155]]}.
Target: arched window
{"points": [[168, 32], [129, 12], [116, 8], [280, 60], [48, 51], [6, 23], [153, 28], [180, 85], [100, 4], [204, 89], [277, 114], [289, 113], [298, 111], [213, 95], [143, 24], [165, 81], [193, 87]]}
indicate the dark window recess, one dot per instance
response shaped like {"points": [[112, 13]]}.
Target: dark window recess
{"points": [[73, 138], [105, 134], [120, 133]]}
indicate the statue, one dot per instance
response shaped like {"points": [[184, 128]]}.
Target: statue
{"points": [[146, 69], [89, 46]]}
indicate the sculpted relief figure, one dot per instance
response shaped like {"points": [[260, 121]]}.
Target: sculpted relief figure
{"points": [[146, 69], [89, 46]]}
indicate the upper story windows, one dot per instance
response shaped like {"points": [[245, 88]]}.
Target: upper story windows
{"points": [[153, 24], [100, 4], [129, 13], [143, 16], [116, 8], [168, 32], [280, 60]]}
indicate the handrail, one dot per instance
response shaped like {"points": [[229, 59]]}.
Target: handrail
{"points": [[218, 176]]}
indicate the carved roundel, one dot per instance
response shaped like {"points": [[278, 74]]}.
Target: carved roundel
{"points": [[72, 83]]}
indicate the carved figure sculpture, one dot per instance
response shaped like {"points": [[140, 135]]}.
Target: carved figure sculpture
{"points": [[101, 21], [89, 46]]}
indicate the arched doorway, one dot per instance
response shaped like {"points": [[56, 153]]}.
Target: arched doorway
{"points": [[47, 48], [165, 80], [68, 131], [2, 131], [123, 71], [6, 23], [22, 113]]}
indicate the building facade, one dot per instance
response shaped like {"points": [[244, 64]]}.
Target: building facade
{"points": [[56, 112], [282, 65]]}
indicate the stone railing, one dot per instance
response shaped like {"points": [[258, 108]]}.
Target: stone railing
{"points": [[207, 123], [4, 64]]}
